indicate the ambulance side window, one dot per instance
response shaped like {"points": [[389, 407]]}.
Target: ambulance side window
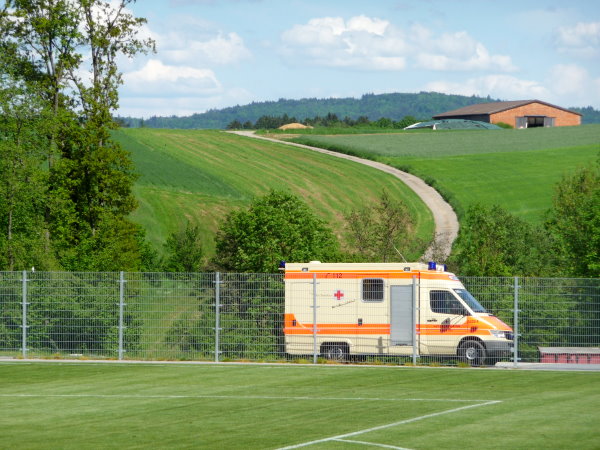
{"points": [[444, 302], [372, 290]]}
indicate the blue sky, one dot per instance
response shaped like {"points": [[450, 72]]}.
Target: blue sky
{"points": [[219, 53]]}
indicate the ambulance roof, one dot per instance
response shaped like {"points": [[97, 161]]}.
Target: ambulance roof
{"points": [[316, 266]]}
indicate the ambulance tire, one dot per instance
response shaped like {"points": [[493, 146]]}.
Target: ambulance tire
{"points": [[335, 351], [472, 352]]}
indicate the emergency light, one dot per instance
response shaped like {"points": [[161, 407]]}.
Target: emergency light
{"points": [[432, 265]]}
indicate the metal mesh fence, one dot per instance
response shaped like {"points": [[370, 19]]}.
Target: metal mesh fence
{"points": [[251, 317]]}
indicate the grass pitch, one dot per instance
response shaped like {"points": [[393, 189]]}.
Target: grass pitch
{"points": [[111, 405]]}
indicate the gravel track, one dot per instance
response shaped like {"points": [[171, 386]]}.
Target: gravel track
{"points": [[446, 222]]}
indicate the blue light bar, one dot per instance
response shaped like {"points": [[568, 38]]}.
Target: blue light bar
{"points": [[432, 265]]}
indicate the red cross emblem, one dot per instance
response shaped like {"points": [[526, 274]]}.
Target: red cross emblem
{"points": [[339, 294]]}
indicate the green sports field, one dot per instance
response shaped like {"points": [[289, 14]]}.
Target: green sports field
{"points": [[113, 405]]}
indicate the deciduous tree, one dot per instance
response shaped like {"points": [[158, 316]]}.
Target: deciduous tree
{"points": [[575, 220], [493, 242], [278, 226], [51, 45], [184, 250], [379, 232]]}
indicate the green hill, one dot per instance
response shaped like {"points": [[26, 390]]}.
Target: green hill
{"points": [[516, 169], [393, 106], [200, 176]]}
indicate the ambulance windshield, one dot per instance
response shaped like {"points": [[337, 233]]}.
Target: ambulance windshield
{"points": [[470, 300]]}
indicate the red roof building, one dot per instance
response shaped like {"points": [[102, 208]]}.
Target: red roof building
{"points": [[519, 114]]}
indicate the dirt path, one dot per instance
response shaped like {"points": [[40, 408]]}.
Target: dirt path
{"points": [[446, 222]]}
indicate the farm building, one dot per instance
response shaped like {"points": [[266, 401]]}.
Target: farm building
{"points": [[519, 114]]}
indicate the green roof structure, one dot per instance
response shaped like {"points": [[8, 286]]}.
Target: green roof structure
{"points": [[454, 124]]}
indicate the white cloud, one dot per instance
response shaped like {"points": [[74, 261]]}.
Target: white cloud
{"points": [[568, 78], [504, 87], [575, 84], [460, 52], [180, 47], [163, 90], [180, 78], [156, 79], [364, 23], [582, 39], [565, 84], [374, 44], [185, 105], [361, 42]]}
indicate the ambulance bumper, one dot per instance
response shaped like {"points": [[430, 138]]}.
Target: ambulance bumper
{"points": [[499, 348]]}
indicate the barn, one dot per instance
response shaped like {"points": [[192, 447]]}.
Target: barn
{"points": [[518, 113]]}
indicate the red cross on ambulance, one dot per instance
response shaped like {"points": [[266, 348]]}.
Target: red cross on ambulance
{"points": [[339, 294]]}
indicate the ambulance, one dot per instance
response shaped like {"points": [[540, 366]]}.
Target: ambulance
{"points": [[339, 310]]}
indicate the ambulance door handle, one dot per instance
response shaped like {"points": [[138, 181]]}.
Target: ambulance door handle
{"points": [[359, 322], [431, 320]]}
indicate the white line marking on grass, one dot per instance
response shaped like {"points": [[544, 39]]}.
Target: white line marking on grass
{"points": [[238, 397], [389, 425], [372, 444]]}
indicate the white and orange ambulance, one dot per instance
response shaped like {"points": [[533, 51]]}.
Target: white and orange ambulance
{"points": [[343, 309]]}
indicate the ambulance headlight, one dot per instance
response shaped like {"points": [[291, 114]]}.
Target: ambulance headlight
{"points": [[500, 334]]}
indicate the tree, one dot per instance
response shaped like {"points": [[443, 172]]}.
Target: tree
{"points": [[185, 252], [405, 122], [575, 221], [383, 122], [234, 125], [493, 242], [380, 230], [52, 43], [278, 226], [22, 179]]}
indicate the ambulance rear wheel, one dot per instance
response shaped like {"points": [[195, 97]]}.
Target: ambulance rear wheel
{"points": [[335, 352], [472, 352]]}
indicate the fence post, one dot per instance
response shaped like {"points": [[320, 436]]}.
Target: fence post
{"points": [[217, 314], [24, 319], [414, 328], [121, 311], [516, 324], [315, 354]]}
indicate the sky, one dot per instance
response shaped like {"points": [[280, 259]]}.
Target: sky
{"points": [[211, 54]]}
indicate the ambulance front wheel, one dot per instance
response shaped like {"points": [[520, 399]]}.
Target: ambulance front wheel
{"points": [[472, 352], [335, 351]]}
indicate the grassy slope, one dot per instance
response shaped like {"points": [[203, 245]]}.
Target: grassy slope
{"points": [[201, 175], [207, 406], [517, 169]]}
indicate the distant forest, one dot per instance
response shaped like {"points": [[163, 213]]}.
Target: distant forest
{"points": [[422, 106]]}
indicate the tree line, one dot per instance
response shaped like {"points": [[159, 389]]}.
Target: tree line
{"points": [[394, 106], [330, 120], [66, 186]]}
